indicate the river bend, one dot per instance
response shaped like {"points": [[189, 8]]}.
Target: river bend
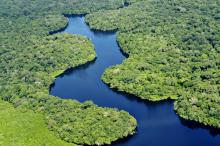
{"points": [[158, 125]]}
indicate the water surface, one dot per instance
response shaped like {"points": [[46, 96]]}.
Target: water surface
{"points": [[158, 125]]}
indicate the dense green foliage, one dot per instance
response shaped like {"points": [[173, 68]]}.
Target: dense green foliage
{"points": [[22, 127], [80, 123], [173, 48], [174, 52], [148, 77], [31, 59]]}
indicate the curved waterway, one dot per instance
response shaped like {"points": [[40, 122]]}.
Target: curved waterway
{"points": [[158, 125]]}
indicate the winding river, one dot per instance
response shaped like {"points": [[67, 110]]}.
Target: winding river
{"points": [[158, 125]]}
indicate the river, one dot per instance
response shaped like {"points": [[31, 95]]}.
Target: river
{"points": [[158, 125]]}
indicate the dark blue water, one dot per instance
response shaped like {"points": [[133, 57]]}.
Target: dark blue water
{"points": [[158, 125]]}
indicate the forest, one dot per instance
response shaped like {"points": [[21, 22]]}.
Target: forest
{"points": [[31, 57], [174, 53], [173, 49]]}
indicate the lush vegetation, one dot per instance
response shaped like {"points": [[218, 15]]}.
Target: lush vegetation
{"points": [[31, 59], [174, 52], [147, 77], [23, 127], [173, 48]]}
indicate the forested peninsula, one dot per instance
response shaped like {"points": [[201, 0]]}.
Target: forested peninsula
{"points": [[173, 49], [174, 53]]}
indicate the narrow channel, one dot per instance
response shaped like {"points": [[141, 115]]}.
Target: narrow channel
{"points": [[158, 125]]}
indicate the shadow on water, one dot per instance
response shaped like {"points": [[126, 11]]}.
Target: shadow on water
{"points": [[194, 125], [158, 124]]}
